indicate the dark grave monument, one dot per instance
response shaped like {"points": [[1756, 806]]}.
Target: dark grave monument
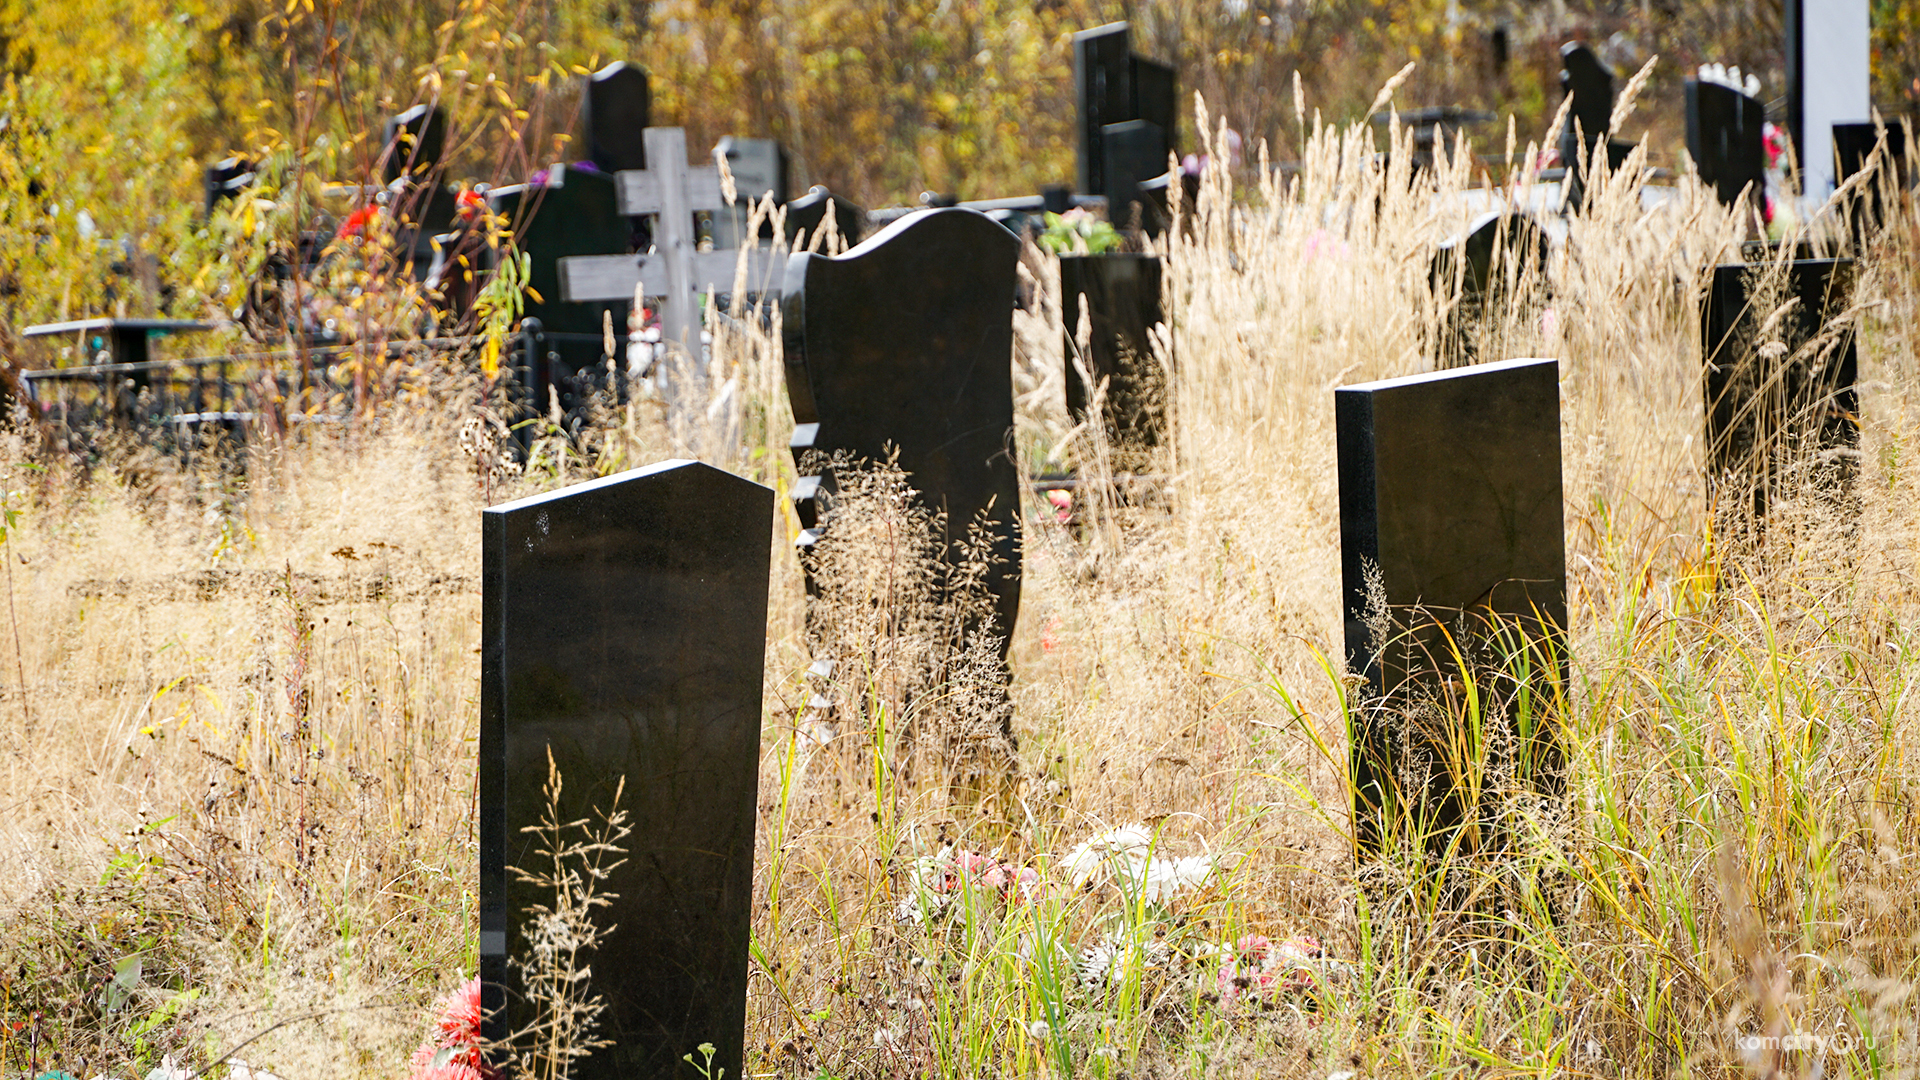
{"points": [[1122, 297], [411, 161], [1451, 538], [616, 107], [806, 215], [1491, 265], [625, 628], [226, 179], [903, 343], [1590, 82], [1769, 412], [1853, 146], [1127, 101], [1725, 138], [576, 212]]}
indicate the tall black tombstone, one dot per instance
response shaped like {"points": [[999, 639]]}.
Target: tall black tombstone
{"points": [[414, 142], [1853, 146], [1589, 81], [1768, 412], [1122, 295], [1451, 537], [624, 625], [616, 108], [414, 148], [1726, 139], [1103, 90], [905, 342], [576, 212]]}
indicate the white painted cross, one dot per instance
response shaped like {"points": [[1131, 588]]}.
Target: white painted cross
{"points": [[676, 272], [1829, 81]]}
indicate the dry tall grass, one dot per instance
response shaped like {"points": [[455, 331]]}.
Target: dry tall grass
{"points": [[242, 748]]}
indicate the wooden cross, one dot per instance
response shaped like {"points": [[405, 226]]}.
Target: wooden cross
{"points": [[675, 271]]}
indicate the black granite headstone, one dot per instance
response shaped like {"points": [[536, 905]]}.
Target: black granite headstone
{"points": [[1726, 138], [1103, 86], [1590, 83], [1853, 146], [616, 108], [1136, 151], [1767, 410], [808, 213], [575, 213], [1451, 535], [624, 625], [1123, 305], [1125, 97], [1501, 248], [226, 179], [904, 343], [414, 142]]}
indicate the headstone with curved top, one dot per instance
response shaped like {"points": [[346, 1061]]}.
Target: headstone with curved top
{"points": [[905, 343]]}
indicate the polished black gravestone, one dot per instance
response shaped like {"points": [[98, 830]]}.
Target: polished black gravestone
{"points": [[423, 206], [1122, 294], [1490, 264], [1114, 87], [624, 626], [905, 342], [1589, 82], [1768, 412], [616, 108], [1726, 139], [1450, 536], [1853, 146], [414, 142], [226, 179], [576, 212], [806, 214]]}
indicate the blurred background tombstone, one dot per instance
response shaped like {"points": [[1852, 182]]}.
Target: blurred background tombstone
{"points": [[1892, 183], [808, 214], [616, 108], [1479, 275], [1452, 545], [1121, 292], [1726, 137], [575, 211], [1129, 119], [624, 625], [1589, 82], [759, 168], [1781, 415], [423, 206]]}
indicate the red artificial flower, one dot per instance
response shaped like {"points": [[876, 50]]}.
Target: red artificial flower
{"points": [[357, 222], [452, 1050]]}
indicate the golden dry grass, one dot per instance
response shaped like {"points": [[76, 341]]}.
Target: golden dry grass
{"points": [[243, 747]]}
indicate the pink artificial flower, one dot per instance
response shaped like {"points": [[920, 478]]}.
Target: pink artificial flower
{"points": [[1062, 501], [1323, 244], [1549, 322], [452, 1050]]}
